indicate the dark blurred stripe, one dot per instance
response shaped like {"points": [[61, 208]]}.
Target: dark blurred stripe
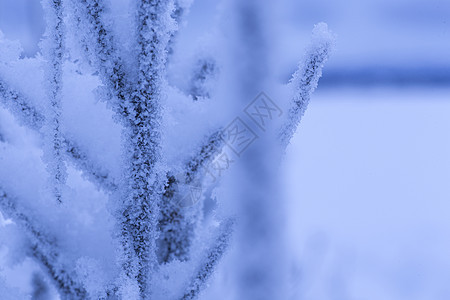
{"points": [[386, 76]]}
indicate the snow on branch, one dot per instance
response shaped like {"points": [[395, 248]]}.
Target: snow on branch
{"points": [[177, 223], [43, 248], [101, 48], [26, 113], [93, 171], [152, 225], [210, 261], [53, 48], [181, 8], [10, 293], [207, 152], [174, 230], [20, 107], [304, 81], [144, 174]]}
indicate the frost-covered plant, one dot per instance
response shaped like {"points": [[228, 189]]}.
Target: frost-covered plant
{"points": [[113, 199]]}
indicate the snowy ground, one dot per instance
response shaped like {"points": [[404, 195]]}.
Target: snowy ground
{"points": [[368, 175]]}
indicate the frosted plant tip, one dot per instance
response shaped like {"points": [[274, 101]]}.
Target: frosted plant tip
{"points": [[322, 34]]}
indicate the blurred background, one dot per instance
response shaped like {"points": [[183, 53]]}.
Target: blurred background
{"points": [[368, 173]]}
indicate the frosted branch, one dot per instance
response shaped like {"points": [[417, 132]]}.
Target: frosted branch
{"points": [[53, 47], [174, 230], [27, 115], [43, 248], [144, 174], [181, 7], [206, 154], [304, 81], [100, 46], [177, 223], [210, 261], [20, 107]]}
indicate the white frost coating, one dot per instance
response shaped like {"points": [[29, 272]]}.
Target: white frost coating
{"points": [[43, 247], [178, 224], [203, 78], [53, 50], [144, 171], [304, 81], [22, 108], [208, 263], [26, 114], [122, 231], [9, 50], [179, 11], [98, 41]]}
